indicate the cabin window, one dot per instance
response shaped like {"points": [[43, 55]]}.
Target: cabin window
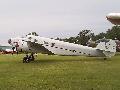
{"points": [[79, 52], [74, 51], [106, 47], [66, 49], [30, 38], [47, 45], [56, 47], [53, 44], [45, 42], [70, 50], [36, 40], [61, 48]]}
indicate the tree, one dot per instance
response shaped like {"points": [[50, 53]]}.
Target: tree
{"points": [[84, 36], [99, 36], [113, 33], [71, 40]]}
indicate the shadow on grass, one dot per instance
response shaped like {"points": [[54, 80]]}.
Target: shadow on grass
{"points": [[93, 59], [49, 61]]}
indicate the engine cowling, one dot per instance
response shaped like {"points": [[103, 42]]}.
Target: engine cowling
{"points": [[114, 18]]}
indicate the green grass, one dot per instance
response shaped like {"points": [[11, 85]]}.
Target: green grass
{"points": [[59, 73]]}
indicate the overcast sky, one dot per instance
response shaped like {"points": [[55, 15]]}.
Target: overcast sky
{"points": [[54, 18]]}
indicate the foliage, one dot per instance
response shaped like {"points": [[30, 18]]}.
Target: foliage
{"points": [[99, 36], [82, 38], [113, 33], [84, 35]]}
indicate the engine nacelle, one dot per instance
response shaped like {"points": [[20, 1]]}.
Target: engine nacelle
{"points": [[114, 18]]}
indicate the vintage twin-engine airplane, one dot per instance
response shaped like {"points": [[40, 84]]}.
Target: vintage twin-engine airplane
{"points": [[49, 46], [35, 44]]}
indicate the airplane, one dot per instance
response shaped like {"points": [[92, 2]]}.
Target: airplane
{"points": [[37, 44], [114, 18]]}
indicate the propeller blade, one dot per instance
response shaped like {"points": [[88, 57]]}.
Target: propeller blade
{"points": [[13, 48], [16, 49]]}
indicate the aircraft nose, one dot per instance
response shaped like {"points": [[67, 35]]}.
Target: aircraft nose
{"points": [[9, 41]]}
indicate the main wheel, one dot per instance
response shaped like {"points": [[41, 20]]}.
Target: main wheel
{"points": [[26, 59]]}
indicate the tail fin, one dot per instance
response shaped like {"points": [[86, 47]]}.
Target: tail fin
{"points": [[108, 47]]}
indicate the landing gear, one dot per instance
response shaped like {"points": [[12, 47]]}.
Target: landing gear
{"points": [[105, 58], [28, 58]]}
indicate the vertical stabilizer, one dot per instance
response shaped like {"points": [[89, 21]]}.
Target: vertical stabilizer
{"points": [[108, 47]]}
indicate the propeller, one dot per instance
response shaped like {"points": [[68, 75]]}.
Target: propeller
{"points": [[15, 47]]}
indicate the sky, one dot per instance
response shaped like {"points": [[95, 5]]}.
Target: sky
{"points": [[54, 18]]}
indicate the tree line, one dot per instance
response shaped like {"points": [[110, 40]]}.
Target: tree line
{"points": [[84, 35]]}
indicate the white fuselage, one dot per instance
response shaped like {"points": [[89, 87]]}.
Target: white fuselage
{"points": [[60, 47]]}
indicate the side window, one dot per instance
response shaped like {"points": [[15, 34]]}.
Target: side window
{"points": [[61, 48], [74, 51], [52, 44], [45, 42], [47, 45], [35, 40]]}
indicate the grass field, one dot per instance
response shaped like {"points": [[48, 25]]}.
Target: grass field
{"points": [[59, 73]]}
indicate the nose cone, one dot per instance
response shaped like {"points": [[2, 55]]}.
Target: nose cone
{"points": [[9, 41]]}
